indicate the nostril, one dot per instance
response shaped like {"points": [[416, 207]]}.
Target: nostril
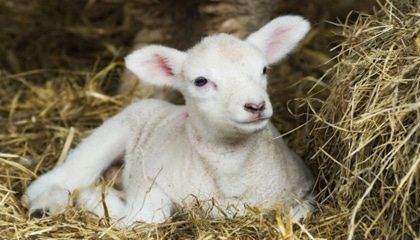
{"points": [[253, 107], [261, 106]]}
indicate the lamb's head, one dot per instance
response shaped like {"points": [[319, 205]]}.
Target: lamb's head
{"points": [[223, 78]]}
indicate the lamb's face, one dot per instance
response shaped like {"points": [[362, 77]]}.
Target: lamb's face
{"points": [[225, 82], [223, 78]]}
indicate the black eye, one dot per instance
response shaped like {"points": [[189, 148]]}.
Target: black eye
{"points": [[264, 70], [200, 81]]}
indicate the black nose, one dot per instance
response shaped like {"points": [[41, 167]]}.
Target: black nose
{"points": [[254, 108]]}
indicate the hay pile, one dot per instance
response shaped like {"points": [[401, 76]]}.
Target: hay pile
{"points": [[363, 139], [366, 134]]}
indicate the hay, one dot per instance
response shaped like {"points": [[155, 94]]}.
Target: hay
{"points": [[366, 135], [364, 138]]}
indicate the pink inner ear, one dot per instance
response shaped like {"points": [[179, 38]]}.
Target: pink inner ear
{"points": [[162, 66], [276, 40]]}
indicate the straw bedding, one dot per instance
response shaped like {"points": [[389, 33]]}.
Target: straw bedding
{"points": [[359, 121]]}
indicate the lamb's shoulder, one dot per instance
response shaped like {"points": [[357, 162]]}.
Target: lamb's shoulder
{"points": [[152, 122], [144, 111], [157, 132]]}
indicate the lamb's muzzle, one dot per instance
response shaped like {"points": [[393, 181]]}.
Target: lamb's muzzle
{"points": [[220, 145]]}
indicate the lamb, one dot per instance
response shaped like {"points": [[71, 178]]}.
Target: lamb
{"points": [[220, 145]]}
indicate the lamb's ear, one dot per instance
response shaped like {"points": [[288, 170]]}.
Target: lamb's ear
{"points": [[278, 37], [157, 65]]}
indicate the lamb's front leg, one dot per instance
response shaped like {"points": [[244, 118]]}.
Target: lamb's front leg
{"points": [[51, 192]]}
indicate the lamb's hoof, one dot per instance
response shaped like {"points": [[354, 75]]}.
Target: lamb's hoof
{"points": [[302, 210], [39, 213], [43, 200]]}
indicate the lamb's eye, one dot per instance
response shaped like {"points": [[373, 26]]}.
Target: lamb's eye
{"points": [[200, 81], [264, 70]]}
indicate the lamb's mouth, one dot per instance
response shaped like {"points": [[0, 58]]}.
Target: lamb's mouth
{"points": [[254, 121]]}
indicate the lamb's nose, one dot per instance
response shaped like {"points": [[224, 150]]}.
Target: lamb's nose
{"points": [[254, 108]]}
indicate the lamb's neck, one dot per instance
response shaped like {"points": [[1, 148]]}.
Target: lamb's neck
{"points": [[226, 156]]}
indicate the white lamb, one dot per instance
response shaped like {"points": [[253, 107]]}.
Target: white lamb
{"points": [[220, 145]]}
